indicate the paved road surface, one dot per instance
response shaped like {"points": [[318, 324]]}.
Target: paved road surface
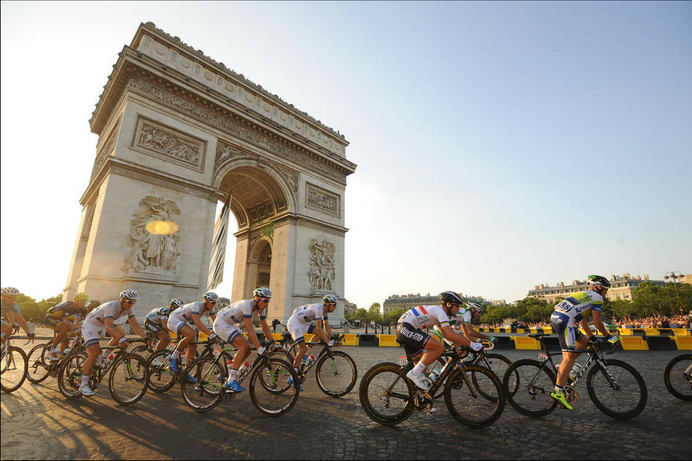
{"points": [[37, 423]]}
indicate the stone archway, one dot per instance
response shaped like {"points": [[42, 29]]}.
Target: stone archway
{"points": [[178, 131]]}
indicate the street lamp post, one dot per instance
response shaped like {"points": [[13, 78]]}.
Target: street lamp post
{"points": [[675, 275]]}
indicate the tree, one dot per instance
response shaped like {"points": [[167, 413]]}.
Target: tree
{"points": [[375, 313], [361, 314]]}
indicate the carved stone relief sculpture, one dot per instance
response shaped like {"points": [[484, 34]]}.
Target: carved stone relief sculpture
{"points": [[322, 200], [322, 271], [153, 251], [165, 142]]}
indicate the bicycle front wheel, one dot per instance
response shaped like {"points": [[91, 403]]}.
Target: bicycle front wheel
{"points": [[385, 396], [678, 377], [161, 377], [618, 390], [497, 363], [13, 369], [475, 401], [527, 385], [70, 375], [39, 363], [207, 389], [273, 395], [336, 375], [128, 379]]}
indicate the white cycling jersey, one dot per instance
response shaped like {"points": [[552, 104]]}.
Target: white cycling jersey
{"points": [[185, 313], [425, 316], [237, 311], [309, 312], [109, 310]]}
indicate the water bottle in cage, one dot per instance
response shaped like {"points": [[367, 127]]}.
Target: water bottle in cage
{"points": [[229, 366], [244, 370]]}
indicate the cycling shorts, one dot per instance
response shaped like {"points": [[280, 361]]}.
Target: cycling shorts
{"points": [[567, 331], [92, 331], [153, 327], [52, 323], [415, 338], [176, 325], [297, 329], [226, 331]]}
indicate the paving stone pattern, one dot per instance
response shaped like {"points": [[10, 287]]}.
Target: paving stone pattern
{"points": [[38, 423]]}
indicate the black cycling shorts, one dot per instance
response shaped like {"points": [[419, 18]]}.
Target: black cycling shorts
{"points": [[415, 338], [152, 327]]}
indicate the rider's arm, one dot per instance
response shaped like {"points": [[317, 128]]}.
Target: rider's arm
{"points": [[598, 324], [319, 332], [111, 329], [164, 322], [21, 321], [457, 339], [469, 332], [265, 328], [135, 326], [252, 336], [198, 322], [327, 328]]}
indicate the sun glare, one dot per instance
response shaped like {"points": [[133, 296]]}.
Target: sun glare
{"points": [[162, 227]]}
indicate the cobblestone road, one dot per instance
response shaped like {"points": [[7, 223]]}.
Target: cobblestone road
{"points": [[37, 423]]}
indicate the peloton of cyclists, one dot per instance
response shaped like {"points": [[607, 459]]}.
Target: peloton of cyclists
{"points": [[156, 323], [409, 331], [567, 316], [462, 321]]}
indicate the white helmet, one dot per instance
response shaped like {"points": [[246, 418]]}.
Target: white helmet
{"points": [[176, 303], [475, 305], [9, 291], [263, 292], [210, 296], [330, 299], [129, 294]]}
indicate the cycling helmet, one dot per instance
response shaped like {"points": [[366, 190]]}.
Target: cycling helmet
{"points": [[475, 305], [9, 291], [81, 296], [92, 304], [599, 281], [210, 296], [176, 303], [263, 292], [129, 294], [330, 299], [450, 297]]}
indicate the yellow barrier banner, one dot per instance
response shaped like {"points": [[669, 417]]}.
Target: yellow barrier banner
{"points": [[634, 343], [526, 343], [388, 341], [683, 343]]}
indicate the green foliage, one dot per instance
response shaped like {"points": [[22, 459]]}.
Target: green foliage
{"points": [[393, 315], [31, 309], [375, 313], [361, 314]]}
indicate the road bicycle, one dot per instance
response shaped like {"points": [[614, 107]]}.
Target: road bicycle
{"points": [[472, 394], [162, 378], [128, 375], [615, 387], [335, 371], [13, 366], [269, 386], [678, 376], [40, 366]]}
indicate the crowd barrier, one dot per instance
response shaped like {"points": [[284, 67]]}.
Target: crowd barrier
{"points": [[631, 339]]}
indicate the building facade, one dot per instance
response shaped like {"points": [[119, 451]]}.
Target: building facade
{"points": [[414, 300], [622, 287]]}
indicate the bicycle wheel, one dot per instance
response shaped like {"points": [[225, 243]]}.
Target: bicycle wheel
{"points": [[39, 363], [476, 402], [128, 379], [336, 375], [143, 351], [161, 377], [619, 391], [70, 375], [208, 391], [386, 397], [496, 363], [13, 369], [678, 377], [531, 384], [273, 396]]}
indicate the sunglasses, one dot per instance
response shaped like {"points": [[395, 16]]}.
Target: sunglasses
{"points": [[130, 301], [264, 299], [211, 302]]}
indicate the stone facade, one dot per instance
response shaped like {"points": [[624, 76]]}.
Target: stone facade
{"points": [[621, 288], [177, 132]]}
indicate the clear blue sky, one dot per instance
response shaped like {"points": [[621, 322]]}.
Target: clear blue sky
{"points": [[499, 145]]}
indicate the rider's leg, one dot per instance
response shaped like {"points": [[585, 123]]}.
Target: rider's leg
{"points": [[164, 340]]}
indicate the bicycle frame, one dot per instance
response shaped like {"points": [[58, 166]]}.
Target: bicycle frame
{"points": [[326, 350]]}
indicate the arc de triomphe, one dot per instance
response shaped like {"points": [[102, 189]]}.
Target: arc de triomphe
{"points": [[177, 132]]}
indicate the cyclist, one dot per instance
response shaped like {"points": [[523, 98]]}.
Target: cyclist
{"points": [[567, 316], [98, 322], [180, 321], [300, 322], [462, 320], [11, 308], [63, 318], [156, 323], [225, 327], [409, 331]]}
